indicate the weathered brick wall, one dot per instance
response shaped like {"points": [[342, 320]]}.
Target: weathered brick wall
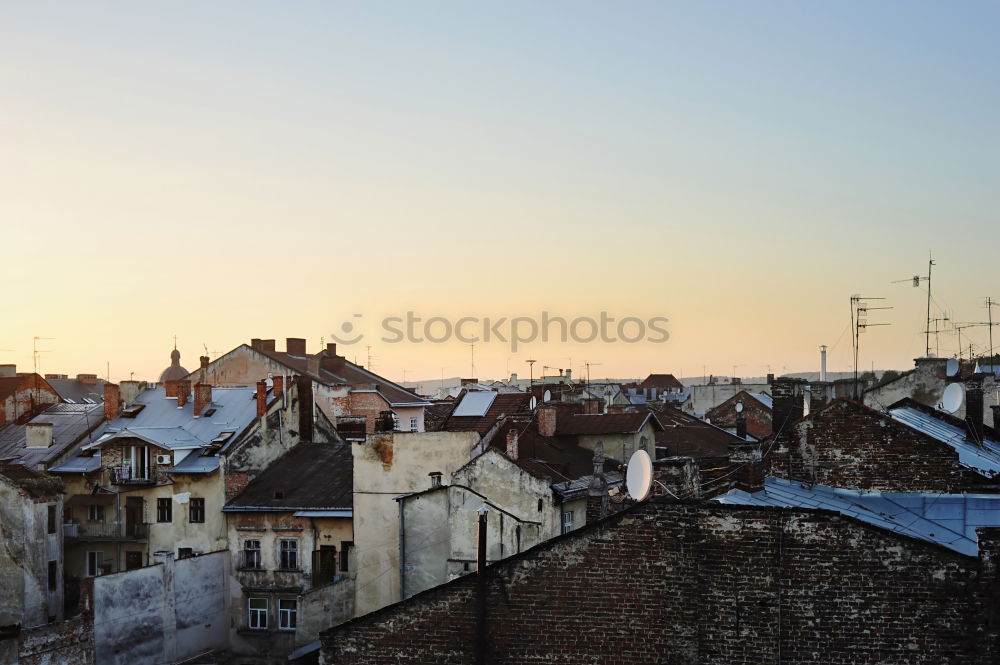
{"points": [[758, 417], [848, 445], [685, 584], [367, 404], [68, 642]]}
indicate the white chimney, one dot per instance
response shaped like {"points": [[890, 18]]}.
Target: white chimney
{"points": [[38, 435], [822, 367]]}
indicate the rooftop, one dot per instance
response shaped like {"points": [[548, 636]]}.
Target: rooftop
{"points": [[70, 423], [947, 429], [309, 476]]}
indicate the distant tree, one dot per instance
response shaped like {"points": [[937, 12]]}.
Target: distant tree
{"points": [[867, 377], [889, 375]]}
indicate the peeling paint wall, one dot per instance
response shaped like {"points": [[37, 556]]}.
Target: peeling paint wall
{"points": [[385, 466], [162, 613]]}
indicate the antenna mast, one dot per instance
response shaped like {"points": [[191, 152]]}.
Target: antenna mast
{"points": [[860, 309], [927, 337]]}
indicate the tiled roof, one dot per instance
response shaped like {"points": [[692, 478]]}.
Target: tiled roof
{"points": [[661, 382], [309, 476], [558, 458], [75, 391], [504, 404], [609, 423], [70, 423], [949, 520], [683, 434]]}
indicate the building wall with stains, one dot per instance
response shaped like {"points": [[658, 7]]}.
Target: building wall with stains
{"points": [[689, 584], [387, 465]]}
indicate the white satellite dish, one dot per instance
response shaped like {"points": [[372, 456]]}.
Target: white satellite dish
{"points": [[639, 475], [547, 397], [952, 368], [954, 395], [739, 407], [533, 403]]}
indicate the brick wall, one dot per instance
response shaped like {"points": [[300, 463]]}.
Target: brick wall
{"points": [[367, 404], [68, 642], [682, 583], [848, 445]]}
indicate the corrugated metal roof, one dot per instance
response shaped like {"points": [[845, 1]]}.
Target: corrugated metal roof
{"points": [[764, 399], [985, 458], [949, 520], [79, 464], [196, 463]]}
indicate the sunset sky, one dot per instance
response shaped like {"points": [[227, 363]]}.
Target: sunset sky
{"points": [[226, 170]]}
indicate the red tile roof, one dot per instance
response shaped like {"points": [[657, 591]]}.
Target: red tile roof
{"points": [[609, 423], [505, 404], [661, 382]]}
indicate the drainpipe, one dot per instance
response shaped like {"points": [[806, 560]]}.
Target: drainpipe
{"points": [[481, 641], [402, 549]]}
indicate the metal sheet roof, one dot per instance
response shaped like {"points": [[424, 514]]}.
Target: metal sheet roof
{"points": [[949, 520], [764, 399], [196, 463], [70, 423], [323, 513], [475, 403], [79, 464], [985, 458]]}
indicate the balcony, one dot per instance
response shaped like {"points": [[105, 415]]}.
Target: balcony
{"points": [[127, 475], [105, 531]]}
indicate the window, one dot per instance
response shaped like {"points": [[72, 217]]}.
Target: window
{"points": [[345, 549], [287, 608], [164, 510], [257, 613], [137, 459], [251, 554], [94, 562], [95, 513], [289, 554], [52, 518], [197, 515], [53, 574], [413, 424], [539, 505], [184, 552], [567, 524], [644, 444]]}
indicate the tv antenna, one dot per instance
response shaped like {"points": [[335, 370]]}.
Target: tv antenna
{"points": [[915, 280], [937, 343], [370, 358], [859, 323], [989, 311], [531, 371], [587, 364]]}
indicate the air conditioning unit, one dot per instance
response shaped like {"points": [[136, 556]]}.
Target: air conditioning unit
{"points": [[163, 459]]}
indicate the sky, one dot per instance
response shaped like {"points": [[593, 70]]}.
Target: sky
{"points": [[228, 170]]}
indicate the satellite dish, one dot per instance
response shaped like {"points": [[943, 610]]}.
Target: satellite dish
{"points": [[952, 368], [547, 397], [739, 407], [534, 402], [954, 395], [639, 475]]}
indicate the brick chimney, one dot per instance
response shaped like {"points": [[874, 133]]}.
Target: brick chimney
{"points": [[87, 379], [202, 397], [261, 398], [204, 361], [974, 411], [112, 401], [331, 349], [183, 392], [38, 435], [787, 402], [512, 443], [547, 421], [996, 415], [295, 346], [279, 386], [466, 382], [255, 343], [170, 387], [741, 425]]}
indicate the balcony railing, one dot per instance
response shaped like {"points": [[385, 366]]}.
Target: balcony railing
{"points": [[106, 531], [127, 475]]}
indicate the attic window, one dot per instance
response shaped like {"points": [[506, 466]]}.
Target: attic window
{"points": [[132, 410], [210, 450], [223, 437], [279, 494], [209, 412], [69, 401]]}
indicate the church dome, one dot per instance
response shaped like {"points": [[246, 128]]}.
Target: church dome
{"points": [[175, 371]]}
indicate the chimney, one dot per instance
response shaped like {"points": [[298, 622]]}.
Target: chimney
{"points": [[435, 479], [547, 421], [822, 362], [261, 398], [183, 392], [255, 343], [741, 425], [112, 401], [129, 391], [996, 415], [295, 346], [974, 411], [512, 443], [331, 350], [87, 379], [303, 386], [770, 379], [313, 363], [7, 371], [267, 345], [38, 435], [202, 397], [466, 382], [170, 387], [279, 386], [569, 376], [735, 380], [787, 403], [204, 361]]}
